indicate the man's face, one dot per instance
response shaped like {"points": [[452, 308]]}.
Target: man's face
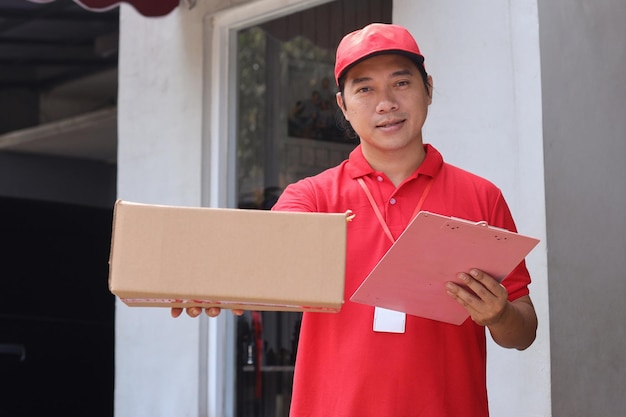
{"points": [[386, 102]]}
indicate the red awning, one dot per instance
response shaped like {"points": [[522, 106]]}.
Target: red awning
{"points": [[149, 8]]}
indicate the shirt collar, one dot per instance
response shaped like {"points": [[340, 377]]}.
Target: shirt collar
{"points": [[359, 167]]}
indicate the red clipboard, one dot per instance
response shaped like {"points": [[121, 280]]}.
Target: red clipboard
{"points": [[431, 251]]}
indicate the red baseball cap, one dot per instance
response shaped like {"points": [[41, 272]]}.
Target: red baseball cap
{"points": [[375, 39]]}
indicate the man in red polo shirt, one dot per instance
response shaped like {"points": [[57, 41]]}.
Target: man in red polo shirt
{"points": [[345, 366]]}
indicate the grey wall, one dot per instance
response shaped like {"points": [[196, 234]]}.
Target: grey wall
{"points": [[583, 53]]}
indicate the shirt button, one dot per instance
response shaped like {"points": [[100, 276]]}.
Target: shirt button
{"points": [[379, 178], [392, 201]]}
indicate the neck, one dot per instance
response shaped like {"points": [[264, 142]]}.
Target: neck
{"points": [[397, 165]]}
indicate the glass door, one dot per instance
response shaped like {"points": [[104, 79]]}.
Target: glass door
{"points": [[287, 129]]}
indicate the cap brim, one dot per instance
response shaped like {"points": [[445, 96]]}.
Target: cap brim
{"points": [[418, 60]]}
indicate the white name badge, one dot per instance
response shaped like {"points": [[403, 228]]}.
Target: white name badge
{"points": [[389, 321]]}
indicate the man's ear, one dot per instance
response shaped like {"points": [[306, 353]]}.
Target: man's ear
{"points": [[429, 80], [342, 105]]}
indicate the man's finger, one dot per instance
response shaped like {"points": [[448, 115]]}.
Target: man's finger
{"points": [[213, 311], [194, 311]]}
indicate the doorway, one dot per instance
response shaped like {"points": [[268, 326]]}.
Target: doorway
{"points": [[287, 128]]}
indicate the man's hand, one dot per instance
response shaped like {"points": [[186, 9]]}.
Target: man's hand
{"points": [[512, 324], [487, 301], [196, 311]]}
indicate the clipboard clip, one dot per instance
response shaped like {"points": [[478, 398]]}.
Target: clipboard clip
{"points": [[469, 222], [482, 223]]}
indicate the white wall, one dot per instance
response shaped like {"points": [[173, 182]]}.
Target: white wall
{"points": [[159, 161], [486, 117]]}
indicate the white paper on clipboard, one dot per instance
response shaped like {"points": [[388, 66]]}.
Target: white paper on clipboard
{"points": [[433, 249]]}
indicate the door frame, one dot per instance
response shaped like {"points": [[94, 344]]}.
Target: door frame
{"points": [[217, 337]]}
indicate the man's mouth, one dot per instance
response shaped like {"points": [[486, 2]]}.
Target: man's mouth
{"points": [[390, 123]]}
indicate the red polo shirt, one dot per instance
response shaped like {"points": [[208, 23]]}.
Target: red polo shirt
{"points": [[434, 369]]}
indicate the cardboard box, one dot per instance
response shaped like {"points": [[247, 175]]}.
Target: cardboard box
{"points": [[167, 256]]}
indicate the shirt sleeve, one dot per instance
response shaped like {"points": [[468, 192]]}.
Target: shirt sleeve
{"points": [[298, 196], [516, 283]]}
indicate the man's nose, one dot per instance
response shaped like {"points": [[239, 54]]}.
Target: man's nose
{"points": [[386, 102]]}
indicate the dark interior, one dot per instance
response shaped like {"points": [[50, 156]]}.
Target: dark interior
{"points": [[56, 313]]}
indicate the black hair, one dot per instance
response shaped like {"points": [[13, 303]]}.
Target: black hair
{"points": [[419, 63]]}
